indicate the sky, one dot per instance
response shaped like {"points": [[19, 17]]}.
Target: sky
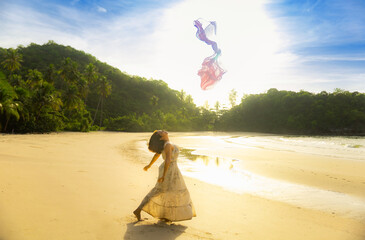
{"points": [[311, 45]]}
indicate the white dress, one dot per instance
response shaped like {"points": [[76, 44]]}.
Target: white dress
{"points": [[170, 199]]}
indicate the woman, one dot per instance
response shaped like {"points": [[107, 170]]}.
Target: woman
{"points": [[169, 199]]}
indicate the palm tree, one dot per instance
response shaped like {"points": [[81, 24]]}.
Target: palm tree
{"points": [[33, 78], [104, 90], [71, 98], [217, 106], [69, 72], [181, 95], [12, 61], [91, 73], [11, 109], [232, 97], [46, 98], [90, 76], [83, 87], [8, 102]]}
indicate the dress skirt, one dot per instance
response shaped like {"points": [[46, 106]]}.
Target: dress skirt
{"points": [[170, 199]]}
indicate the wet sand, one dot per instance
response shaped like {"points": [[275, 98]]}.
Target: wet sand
{"points": [[86, 185]]}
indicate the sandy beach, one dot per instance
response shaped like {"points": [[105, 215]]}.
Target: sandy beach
{"points": [[85, 186]]}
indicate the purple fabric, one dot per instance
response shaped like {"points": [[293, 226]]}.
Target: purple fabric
{"points": [[211, 72]]}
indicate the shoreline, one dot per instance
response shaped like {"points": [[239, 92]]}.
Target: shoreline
{"points": [[325, 172], [301, 194], [86, 185], [197, 132]]}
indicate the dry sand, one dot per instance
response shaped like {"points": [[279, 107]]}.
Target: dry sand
{"points": [[86, 185]]}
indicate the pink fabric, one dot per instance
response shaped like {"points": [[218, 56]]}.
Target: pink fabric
{"points": [[211, 72]]}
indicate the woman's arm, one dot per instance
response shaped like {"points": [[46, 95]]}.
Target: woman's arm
{"points": [[168, 150], [155, 157]]}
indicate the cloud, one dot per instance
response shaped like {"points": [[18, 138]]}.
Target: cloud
{"points": [[101, 9], [160, 43], [23, 25]]}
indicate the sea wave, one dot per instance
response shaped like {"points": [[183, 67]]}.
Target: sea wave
{"points": [[341, 147]]}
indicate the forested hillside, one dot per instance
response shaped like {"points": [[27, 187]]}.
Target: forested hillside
{"points": [[337, 113], [52, 87]]}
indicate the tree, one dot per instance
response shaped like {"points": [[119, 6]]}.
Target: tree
{"points": [[91, 76], [11, 109], [91, 73], [50, 74], [189, 100], [33, 78], [69, 72], [46, 99], [217, 106], [233, 97], [9, 106], [104, 90], [12, 61], [154, 100], [206, 105], [182, 95], [71, 99]]}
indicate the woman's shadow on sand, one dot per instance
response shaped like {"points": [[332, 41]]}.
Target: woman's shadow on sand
{"points": [[153, 231]]}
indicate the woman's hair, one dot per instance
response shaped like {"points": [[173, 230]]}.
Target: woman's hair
{"points": [[156, 144]]}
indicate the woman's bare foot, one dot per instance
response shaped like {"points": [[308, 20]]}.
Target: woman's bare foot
{"points": [[137, 213], [165, 220]]}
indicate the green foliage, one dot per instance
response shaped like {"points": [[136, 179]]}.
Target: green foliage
{"points": [[51, 87], [340, 112], [158, 120], [60, 88], [130, 123], [9, 104], [12, 60]]}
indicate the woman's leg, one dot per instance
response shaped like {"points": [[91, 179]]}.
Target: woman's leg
{"points": [[145, 200], [137, 213]]}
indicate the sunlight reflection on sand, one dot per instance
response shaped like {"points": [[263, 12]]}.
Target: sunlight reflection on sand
{"points": [[226, 173]]}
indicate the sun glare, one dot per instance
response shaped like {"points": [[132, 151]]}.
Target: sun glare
{"points": [[247, 37], [214, 170]]}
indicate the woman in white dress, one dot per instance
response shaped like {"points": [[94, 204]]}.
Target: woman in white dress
{"points": [[169, 199]]}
